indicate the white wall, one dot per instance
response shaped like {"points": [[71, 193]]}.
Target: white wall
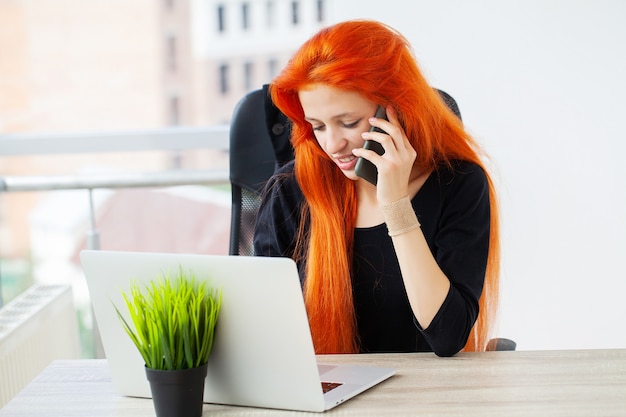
{"points": [[541, 83]]}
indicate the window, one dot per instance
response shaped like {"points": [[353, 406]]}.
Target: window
{"points": [[223, 79], [295, 12], [174, 111], [221, 18], [269, 10], [171, 53], [245, 16], [272, 66], [320, 11], [248, 73]]}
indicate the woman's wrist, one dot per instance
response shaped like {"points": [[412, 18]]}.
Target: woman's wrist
{"points": [[400, 217]]}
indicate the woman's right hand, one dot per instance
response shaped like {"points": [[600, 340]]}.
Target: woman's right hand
{"points": [[396, 164]]}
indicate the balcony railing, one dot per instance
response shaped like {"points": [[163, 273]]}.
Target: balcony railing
{"points": [[168, 139], [173, 139]]}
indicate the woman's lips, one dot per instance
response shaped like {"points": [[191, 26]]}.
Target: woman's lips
{"points": [[346, 163]]}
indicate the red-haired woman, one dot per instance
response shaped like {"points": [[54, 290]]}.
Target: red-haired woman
{"points": [[409, 264]]}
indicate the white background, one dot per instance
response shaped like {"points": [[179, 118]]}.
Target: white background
{"points": [[541, 84]]}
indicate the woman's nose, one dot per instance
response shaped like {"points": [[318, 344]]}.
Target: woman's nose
{"points": [[335, 141]]}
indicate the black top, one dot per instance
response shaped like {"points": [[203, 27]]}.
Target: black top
{"points": [[453, 209]]}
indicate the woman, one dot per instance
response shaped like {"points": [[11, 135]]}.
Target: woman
{"points": [[404, 265]]}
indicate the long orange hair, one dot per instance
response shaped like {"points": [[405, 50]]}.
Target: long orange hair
{"points": [[374, 60]]}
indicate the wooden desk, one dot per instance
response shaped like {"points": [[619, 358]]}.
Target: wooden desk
{"points": [[525, 383]]}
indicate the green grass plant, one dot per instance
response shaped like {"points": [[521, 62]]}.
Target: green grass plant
{"points": [[173, 320]]}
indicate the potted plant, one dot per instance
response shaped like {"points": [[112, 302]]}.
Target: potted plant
{"points": [[172, 324]]}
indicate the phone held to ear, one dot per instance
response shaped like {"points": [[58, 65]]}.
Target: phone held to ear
{"points": [[364, 168]]}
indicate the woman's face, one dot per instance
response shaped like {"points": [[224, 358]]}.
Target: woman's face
{"points": [[338, 118]]}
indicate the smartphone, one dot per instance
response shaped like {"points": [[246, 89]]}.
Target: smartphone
{"points": [[364, 168]]}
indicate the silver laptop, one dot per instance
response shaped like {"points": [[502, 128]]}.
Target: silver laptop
{"points": [[263, 354]]}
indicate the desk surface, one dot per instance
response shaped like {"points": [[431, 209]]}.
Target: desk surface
{"points": [[524, 383]]}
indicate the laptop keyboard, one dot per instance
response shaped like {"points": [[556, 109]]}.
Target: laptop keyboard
{"points": [[327, 386]]}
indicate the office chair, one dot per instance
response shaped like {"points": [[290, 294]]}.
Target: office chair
{"points": [[259, 143]]}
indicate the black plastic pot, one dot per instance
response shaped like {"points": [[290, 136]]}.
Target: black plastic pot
{"points": [[178, 393]]}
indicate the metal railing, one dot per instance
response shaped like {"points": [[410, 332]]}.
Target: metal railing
{"points": [[172, 139]]}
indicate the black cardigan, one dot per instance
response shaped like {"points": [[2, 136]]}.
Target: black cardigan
{"points": [[453, 209]]}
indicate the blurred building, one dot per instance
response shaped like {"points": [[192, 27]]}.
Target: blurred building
{"points": [[68, 65], [240, 45]]}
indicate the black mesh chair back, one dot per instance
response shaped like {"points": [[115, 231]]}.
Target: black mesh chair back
{"points": [[259, 143]]}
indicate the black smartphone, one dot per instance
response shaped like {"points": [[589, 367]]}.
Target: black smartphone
{"points": [[364, 168]]}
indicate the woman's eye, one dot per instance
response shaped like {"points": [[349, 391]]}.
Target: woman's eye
{"points": [[351, 125]]}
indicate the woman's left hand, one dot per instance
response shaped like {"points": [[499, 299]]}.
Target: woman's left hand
{"points": [[395, 165]]}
